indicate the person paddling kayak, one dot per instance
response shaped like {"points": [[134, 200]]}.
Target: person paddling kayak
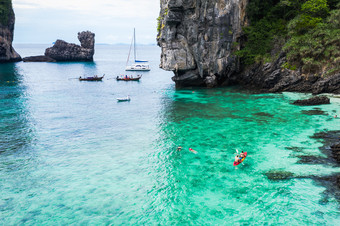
{"points": [[240, 158]]}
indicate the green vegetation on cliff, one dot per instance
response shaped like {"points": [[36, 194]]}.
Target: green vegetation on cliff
{"points": [[307, 30], [5, 11]]}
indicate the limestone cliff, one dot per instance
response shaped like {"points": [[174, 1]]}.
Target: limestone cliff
{"points": [[7, 19], [197, 38]]}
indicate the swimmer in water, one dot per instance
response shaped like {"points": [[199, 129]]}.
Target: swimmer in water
{"points": [[192, 150]]}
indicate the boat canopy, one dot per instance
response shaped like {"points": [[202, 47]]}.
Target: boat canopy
{"points": [[141, 61]]}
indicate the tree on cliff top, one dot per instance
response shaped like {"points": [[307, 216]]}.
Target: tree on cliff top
{"points": [[5, 11], [308, 29]]}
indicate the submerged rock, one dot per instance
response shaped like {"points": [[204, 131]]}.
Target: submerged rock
{"points": [[313, 101], [295, 149], [312, 159], [7, 20], [331, 183], [331, 145], [264, 114], [335, 148], [279, 175], [314, 112]]}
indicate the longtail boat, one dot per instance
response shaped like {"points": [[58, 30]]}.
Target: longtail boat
{"points": [[128, 78], [94, 78]]}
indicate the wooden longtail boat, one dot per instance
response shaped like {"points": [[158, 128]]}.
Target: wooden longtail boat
{"points": [[127, 78], [94, 78]]}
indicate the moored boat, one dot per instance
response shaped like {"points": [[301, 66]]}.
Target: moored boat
{"points": [[123, 99], [138, 65], [94, 78], [128, 78]]}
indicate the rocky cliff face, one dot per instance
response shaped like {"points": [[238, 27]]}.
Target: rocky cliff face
{"points": [[197, 38], [273, 77], [63, 51], [7, 19]]}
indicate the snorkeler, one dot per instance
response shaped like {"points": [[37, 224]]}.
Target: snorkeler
{"points": [[192, 150]]}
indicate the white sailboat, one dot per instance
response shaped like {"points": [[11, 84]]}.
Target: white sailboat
{"points": [[138, 65]]}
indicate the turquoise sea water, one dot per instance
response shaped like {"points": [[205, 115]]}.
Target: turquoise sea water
{"points": [[71, 154]]}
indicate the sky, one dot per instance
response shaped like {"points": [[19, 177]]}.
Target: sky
{"points": [[112, 21]]}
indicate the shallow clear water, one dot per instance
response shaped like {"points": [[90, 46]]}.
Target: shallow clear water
{"points": [[71, 154]]}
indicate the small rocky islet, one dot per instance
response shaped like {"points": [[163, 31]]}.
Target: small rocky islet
{"points": [[64, 51]]}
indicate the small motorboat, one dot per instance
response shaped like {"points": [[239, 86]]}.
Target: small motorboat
{"points": [[128, 78], [124, 99], [94, 78]]}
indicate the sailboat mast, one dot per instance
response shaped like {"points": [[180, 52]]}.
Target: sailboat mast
{"points": [[127, 61], [134, 43]]}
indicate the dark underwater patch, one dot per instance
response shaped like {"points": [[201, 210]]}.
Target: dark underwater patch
{"points": [[312, 159], [264, 114], [277, 175], [295, 149], [314, 112], [330, 182], [330, 148]]}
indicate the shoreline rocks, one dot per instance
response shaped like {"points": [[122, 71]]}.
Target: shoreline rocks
{"points": [[41, 58], [273, 77], [64, 51], [318, 100]]}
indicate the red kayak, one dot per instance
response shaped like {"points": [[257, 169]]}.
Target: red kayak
{"points": [[245, 155]]}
